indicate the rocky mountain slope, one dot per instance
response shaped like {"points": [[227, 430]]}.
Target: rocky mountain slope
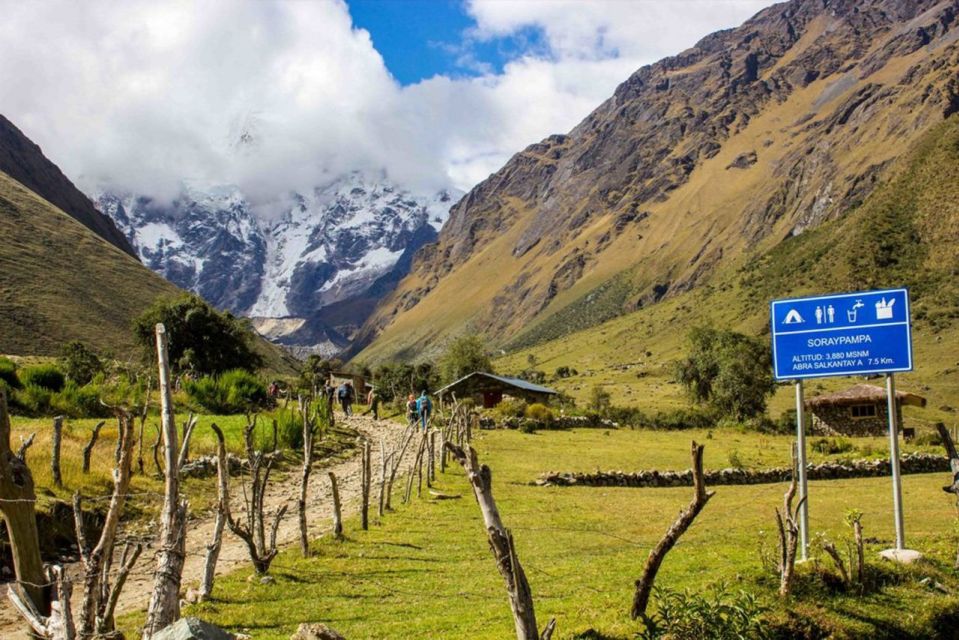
{"points": [[309, 275], [22, 160], [696, 163]]}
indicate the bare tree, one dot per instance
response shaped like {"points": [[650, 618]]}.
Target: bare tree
{"points": [[25, 443], [58, 625], [94, 616], [17, 506], [164, 608], [55, 454], [644, 586], [309, 431], [953, 487], [501, 544], [396, 459], [88, 449], [188, 428], [787, 523], [222, 515], [384, 461], [253, 531], [143, 420]]}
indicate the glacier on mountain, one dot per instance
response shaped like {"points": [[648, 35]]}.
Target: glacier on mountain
{"points": [[309, 275]]}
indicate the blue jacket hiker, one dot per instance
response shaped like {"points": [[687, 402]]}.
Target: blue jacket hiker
{"points": [[424, 406]]}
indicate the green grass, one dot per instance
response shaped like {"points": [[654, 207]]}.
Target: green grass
{"points": [[147, 486], [425, 571]]}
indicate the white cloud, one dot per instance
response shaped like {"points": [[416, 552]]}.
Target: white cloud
{"points": [[140, 94]]}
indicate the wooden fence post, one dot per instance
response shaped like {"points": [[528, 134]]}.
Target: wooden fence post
{"points": [[164, 608], [309, 430], [337, 516], [17, 505], [88, 449], [55, 454], [644, 586], [365, 482], [222, 515], [383, 461], [501, 544]]}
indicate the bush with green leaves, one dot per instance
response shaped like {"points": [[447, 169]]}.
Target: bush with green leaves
{"points": [[719, 615], [540, 413], [201, 339], [33, 400], [728, 371], [463, 356], [80, 363], [8, 373], [509, 409], [395, 381], [45, 376], [80, 401], [600, 400], [235, 391]]}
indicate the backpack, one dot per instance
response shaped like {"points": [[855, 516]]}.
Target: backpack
{"points": [[424, 405]]}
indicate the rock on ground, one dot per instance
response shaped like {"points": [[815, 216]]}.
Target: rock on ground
{"points": [[192, 629], [315, 632]]}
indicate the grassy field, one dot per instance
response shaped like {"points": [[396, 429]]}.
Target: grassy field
{"points": [[148, 487], [425, 571]]}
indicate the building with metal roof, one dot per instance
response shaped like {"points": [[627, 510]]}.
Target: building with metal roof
{"points": [[489, 389]]}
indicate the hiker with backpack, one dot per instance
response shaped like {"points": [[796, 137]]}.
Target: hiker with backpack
{"points": [[345, 394], [412, 414], [424, 407]]}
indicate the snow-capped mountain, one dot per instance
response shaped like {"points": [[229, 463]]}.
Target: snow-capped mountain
{"points": [[309, 276]]}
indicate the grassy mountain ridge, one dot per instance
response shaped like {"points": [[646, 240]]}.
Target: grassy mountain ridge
{"points": [[905, 234], [23, 160], [697, 162], [59, 282]]}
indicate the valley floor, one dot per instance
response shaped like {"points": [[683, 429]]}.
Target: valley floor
{"points": [[425, 570]]}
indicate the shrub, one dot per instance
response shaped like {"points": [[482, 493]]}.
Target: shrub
{"points": [[78, 401], [509, 408], [718, 616], [235, 391], [8, 373], [33, 399], [600, 400], [678, 419], [80, 363], [540, 413], [200, 337], [829, 446], [47, 376]]}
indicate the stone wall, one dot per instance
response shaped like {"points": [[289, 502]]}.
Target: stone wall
{"points": [[910, 463], [837, 420]]}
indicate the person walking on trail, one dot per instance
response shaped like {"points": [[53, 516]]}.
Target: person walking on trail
{"points": [[329, 391], [345, 395], [373, 399], [424, 406], [412, 414]]}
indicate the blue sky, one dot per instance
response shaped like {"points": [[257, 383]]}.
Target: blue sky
{"points": [[420, 39]]}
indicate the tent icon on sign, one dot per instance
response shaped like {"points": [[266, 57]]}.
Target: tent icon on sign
{"points": [[884, 309], [793, 317]]}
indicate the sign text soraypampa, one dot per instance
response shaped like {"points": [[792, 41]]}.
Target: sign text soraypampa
{"points": [[841, 335]]}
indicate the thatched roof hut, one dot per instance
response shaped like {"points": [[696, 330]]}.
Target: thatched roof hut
{"points": [[864, 393], [860, 410]]}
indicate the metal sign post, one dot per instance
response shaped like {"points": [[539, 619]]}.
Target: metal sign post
{"points": [[894, 460], [861, 333], [801, 463]]}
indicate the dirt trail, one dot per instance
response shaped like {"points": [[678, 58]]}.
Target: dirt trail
{"points": [[233, 553]]}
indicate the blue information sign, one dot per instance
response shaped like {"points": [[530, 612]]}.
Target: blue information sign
{"points": [[841, 335]]}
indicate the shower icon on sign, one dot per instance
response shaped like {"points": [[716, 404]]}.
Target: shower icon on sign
{"points": [[852, 313]]}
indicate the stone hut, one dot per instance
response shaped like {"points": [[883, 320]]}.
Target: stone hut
{"points": [[861, 410], [488, 389]]}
